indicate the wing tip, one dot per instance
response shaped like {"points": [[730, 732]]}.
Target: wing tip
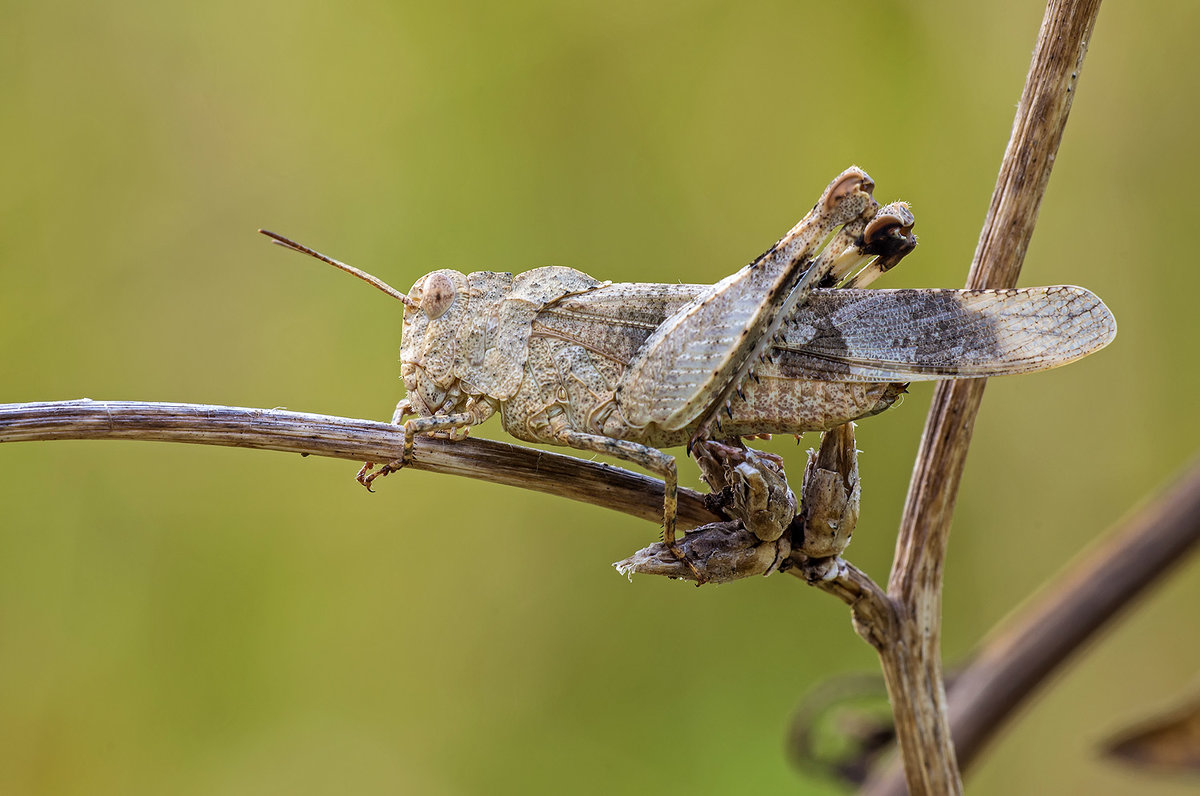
{"points": [[1103, 324]]}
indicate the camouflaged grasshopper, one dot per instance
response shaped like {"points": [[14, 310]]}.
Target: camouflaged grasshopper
{"points": [[629, 368]]}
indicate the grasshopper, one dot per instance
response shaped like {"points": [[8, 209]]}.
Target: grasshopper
{"points": [[628, 369]]}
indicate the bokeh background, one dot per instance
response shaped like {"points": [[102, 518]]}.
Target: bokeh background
{"points": [[190, 620]]}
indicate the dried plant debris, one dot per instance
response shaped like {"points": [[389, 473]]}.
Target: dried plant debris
{"points": [[717, 553], [1168, 742]]}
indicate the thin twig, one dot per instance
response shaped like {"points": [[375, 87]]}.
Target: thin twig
{"points": [[913, 668], [596, 483], [873, 613]]}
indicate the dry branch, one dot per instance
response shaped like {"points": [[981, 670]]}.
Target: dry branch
{"points": [[1082, 600], [912, 663], [596, 483]]}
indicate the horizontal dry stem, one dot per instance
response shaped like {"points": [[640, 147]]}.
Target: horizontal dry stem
{"points": [[596, 483]]}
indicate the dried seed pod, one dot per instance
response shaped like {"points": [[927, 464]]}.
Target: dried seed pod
{"points": [[715, 553], [830, 495]]}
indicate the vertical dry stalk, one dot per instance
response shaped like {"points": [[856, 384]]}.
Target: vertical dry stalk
{"points": [[912, 663]]}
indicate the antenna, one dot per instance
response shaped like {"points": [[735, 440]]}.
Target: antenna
{"points": [[350, 269]]}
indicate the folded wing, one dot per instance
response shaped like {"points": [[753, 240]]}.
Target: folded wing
{"points": [[926, 334]]}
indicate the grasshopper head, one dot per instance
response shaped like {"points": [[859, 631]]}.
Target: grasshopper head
{"points": [[435, 310]]}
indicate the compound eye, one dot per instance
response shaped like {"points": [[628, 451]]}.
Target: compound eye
{"points": [[437, 295]]}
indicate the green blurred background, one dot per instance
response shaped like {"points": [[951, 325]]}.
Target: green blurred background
{"points": [[178, 619]]}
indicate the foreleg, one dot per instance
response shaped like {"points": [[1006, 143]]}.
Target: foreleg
{"points": [[457, 424]]}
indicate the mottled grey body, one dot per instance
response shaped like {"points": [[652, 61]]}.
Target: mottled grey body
{"points": [[844, 355], [627, 369]]}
